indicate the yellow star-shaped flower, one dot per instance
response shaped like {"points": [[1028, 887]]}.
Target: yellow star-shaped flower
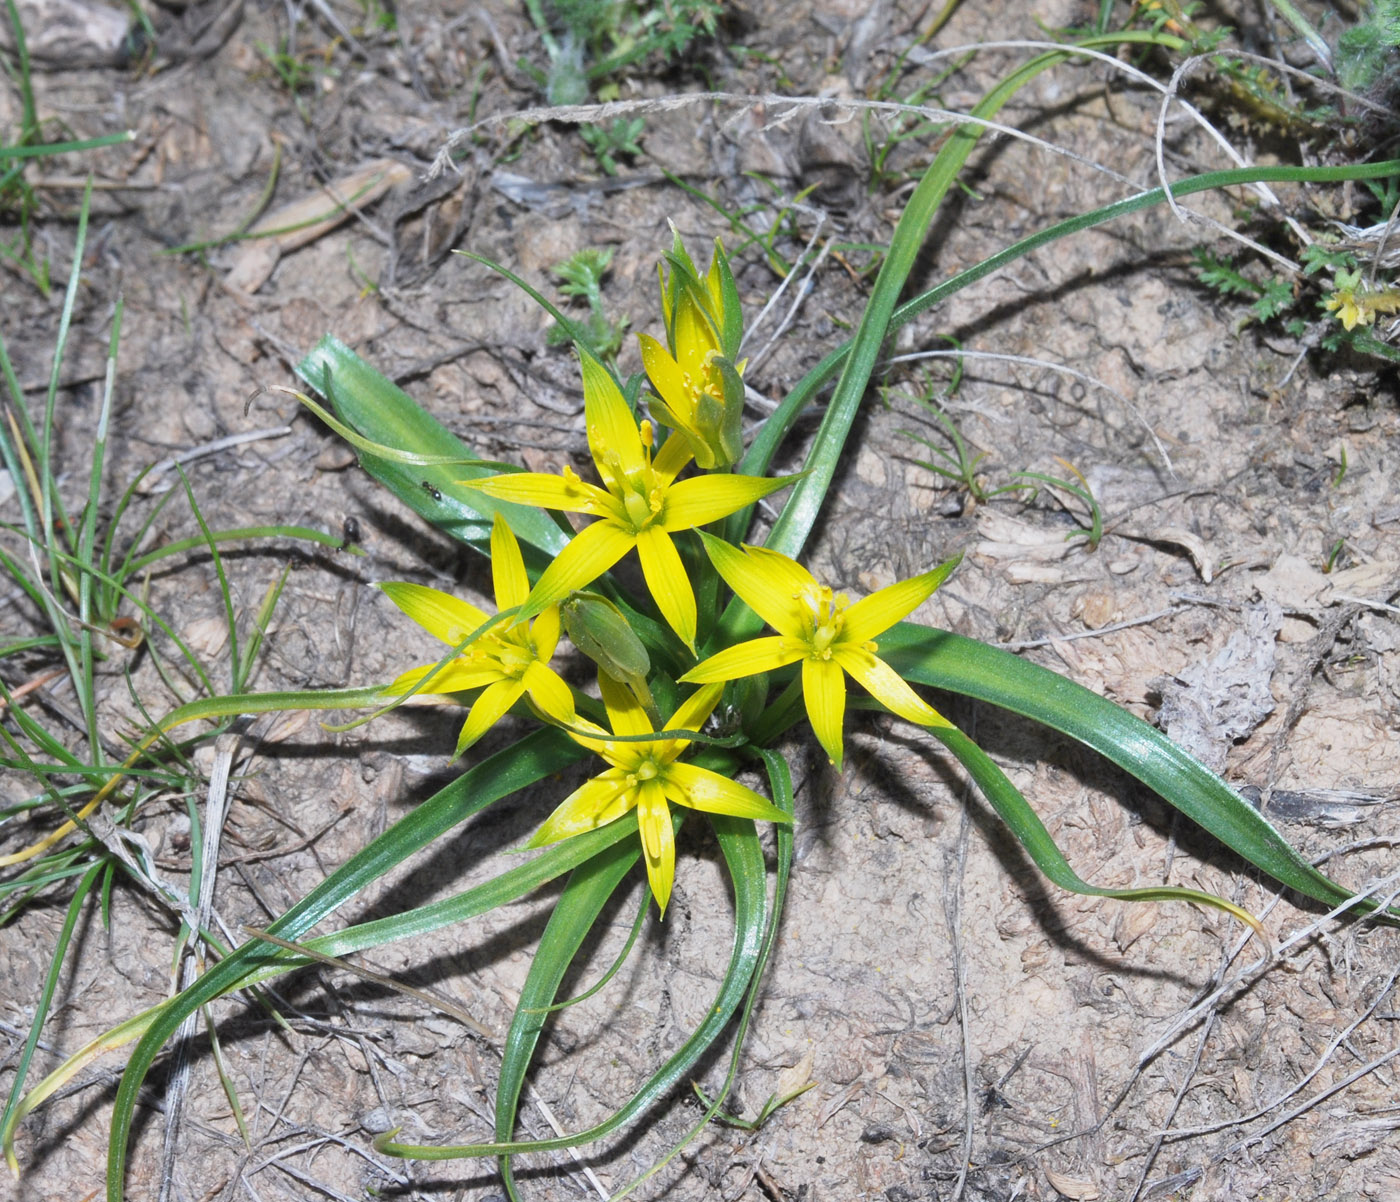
{"points": [[823, 630], [699, 386], [641, 505], [510, 660], [646, 774]]}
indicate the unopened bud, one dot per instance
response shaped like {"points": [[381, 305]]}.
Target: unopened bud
{"points": [[598, 628]]}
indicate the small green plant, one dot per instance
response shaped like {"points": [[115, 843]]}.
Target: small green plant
{"points": [[1093, 533], [954, 460], [1333, 315], [19, 202], [582, 277], [1365, 57], [675, 494], [610, 142], [79, 611], [587, 41], [1334, 556]]}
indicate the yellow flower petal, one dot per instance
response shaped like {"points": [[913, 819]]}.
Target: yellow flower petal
{"points": [[746, 659], [887, 687], [675, 453], [875, 614], [552, 697], [507, 567], [544, 633], [664, 373], [704, 499], [454, 677], [768, 583], [658, 840], [694, 711], [824, 690], [611, 426], [487, 710], [594, 803], [695, 336], [625, 712], [589, 554], [669, 584], [702, 789], [566, 492], [441, 614]]}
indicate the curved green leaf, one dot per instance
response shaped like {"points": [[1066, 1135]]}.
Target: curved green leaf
{"points": [[381, 411], [961, 665], [743, 855], [507, 887], [536, 756]]}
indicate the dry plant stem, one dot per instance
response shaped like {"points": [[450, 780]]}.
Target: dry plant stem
{"points": [[788, 106], [802, 291], [952, 909], [1301, 1109], [1127, 623], [150, 483], [215, 814], [433, 1000], [1242, 980], [548, 1116], [1186, 1078], [1187, 216], [1302, 1083]]}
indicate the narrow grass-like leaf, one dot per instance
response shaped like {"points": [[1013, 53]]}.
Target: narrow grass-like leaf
{"points": [[1023, 822], [47, 149], [508, 887], [775, 427], [575, 914], [790, 531], [383, 412], [45, 998], [961, 665], [780, 787], [532, 758], [241, 534], [743, 852]]}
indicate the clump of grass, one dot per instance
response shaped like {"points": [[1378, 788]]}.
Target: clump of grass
{"points": [[83, 618]]}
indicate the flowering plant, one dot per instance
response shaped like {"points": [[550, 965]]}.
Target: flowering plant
{"points": [[665, 662]]}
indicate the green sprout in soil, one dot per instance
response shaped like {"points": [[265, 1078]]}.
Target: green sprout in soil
{"points": [[582, 278], [588, 41]]}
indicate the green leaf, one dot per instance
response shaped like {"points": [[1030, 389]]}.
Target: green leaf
{"points": [[384, 413], [960, 665], [743, 853], [531, 759]]}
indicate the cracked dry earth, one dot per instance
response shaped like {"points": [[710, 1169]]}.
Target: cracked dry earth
{"points": [[968, 1030]]}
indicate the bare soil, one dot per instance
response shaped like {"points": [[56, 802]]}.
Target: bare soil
{"points": [[970, 1031]]}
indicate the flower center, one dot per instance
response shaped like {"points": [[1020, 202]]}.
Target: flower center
{"points": [[642, 498], [644, 770], [514, 659], [705, 383], [825, 612]]}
